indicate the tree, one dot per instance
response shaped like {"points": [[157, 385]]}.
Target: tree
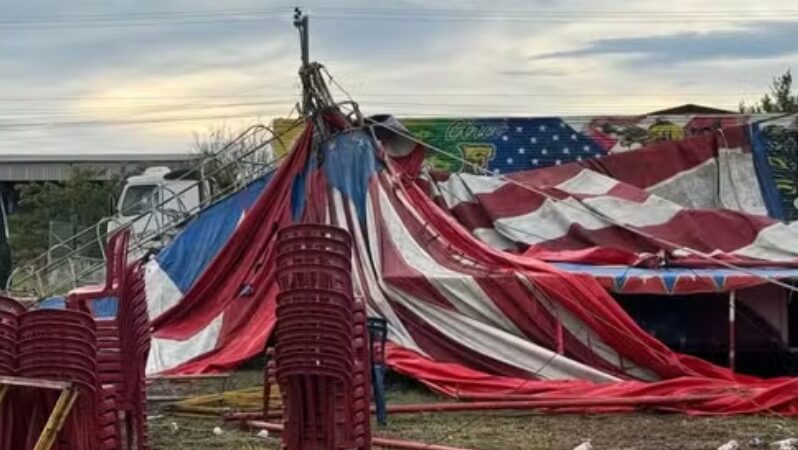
{"points": [[5, 250], [780, 100], [81, 201], [232, 156]]}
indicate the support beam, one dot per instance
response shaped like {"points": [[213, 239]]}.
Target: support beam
{"points": [[516, 402], [69, 394], [33, 383]]}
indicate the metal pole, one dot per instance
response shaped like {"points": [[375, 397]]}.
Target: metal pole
{"points": [[301, 23], [305, 42], [732, 334]]}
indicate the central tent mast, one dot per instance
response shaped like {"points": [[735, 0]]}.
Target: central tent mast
{"points": [[301, 24]]}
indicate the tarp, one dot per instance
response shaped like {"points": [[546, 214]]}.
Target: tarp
{"points": [[173, 271], [226, 315], [463, 317], [714, 170]]}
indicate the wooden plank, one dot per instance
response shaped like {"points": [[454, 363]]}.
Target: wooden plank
{"points": [[34, 383], [57, 418], [199, 376]]}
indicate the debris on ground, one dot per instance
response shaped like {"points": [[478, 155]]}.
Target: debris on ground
{"points": [[486, 431], [731, 445], [786, 444], [263, 434]]}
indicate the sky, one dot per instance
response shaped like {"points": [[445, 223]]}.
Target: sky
{"points": [[136, 76]]}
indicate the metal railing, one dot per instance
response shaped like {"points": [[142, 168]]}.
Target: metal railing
{"points": [[42, 277]]}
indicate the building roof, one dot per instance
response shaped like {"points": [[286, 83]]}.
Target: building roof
{"points": [[97, 157], [690, 108], [56, 167]]}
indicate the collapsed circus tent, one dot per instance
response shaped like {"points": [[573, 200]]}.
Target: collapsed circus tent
{"points": [[465, 318]]}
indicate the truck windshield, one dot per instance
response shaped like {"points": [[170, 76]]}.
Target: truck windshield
{"points": [[138, 199]]}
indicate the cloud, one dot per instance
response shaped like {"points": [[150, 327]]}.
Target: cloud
{"points": [[760, 40], [169, 68], [531, 73]]}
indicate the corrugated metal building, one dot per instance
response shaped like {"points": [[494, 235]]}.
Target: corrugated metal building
{"points": [[26, 168], [19, 168]]}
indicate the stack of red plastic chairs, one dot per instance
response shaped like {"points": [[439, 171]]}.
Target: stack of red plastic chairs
{"points": [[322, 343], [55, 346], [104, 358], [10, 310], [123, 342]]}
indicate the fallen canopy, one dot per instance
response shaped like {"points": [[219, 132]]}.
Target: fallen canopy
{"points": [[608, 211], [463, 317]]}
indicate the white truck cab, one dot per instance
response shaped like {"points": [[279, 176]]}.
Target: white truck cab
{"points": [[156, 201]]}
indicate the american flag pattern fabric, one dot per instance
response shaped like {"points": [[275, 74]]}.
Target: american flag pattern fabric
{"points": [[678, 195], [502, 145]]}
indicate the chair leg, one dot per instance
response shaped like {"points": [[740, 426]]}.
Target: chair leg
{"points": [[142, 435], [129, 430], [378, 386]]}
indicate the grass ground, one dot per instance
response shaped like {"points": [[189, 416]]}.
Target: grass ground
{"points": [[485, 431]]}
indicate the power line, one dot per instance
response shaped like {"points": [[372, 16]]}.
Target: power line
{"points": [[131, 121], [136, 110], [376, 96], [144, 19], [187, 107], [434, 13], [611, 16], [563, 19], [544, 12], [133, 112], [77, 95], [142, 16], [125, 25], [149, 14], [58, 98], [374, 101]]}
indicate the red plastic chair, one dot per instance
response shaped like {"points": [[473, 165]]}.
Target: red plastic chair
{"points": [[45, 352], [10, 310], [320, 359], [124, 341]]}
